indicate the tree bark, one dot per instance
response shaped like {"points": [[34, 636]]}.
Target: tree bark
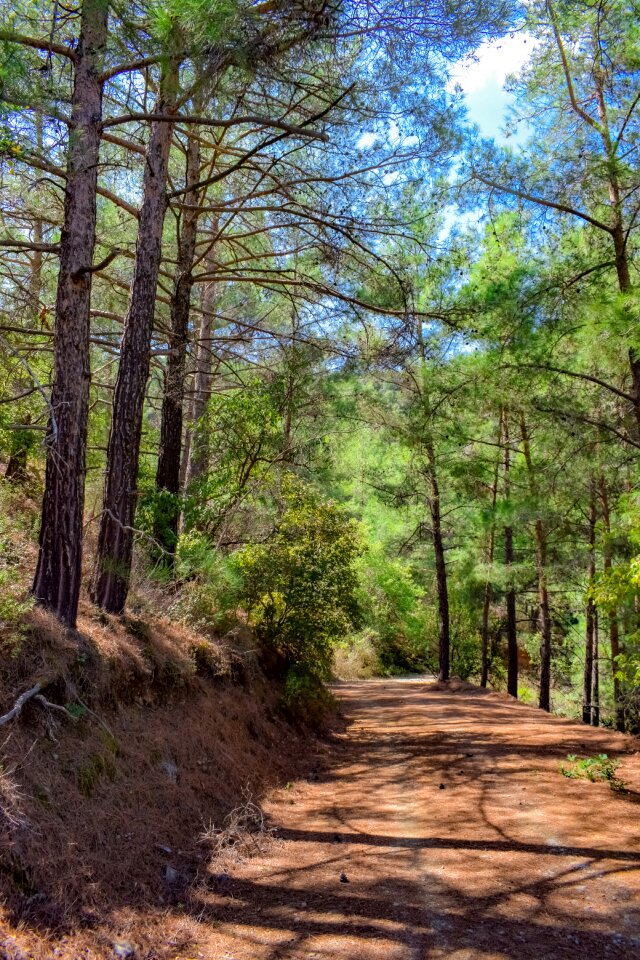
{"points": [[512, 629], [587, 696], [544, 701], [57, 579], [595, 713], [444, 640], [115, 541], [488, 587], [197, 462], [614, 629], [169, 459]]}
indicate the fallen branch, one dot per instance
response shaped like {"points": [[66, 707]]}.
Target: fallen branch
{"points": [[16, 709]]}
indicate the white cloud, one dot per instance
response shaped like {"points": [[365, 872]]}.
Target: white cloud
{"points": [[492, 62]]}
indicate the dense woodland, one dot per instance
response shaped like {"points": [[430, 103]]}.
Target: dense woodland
{"points": [[284, 338]]}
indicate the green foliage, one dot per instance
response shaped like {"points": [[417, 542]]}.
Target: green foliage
{"points": [[13, 603], [393, 612], [305, 696], [465, 642], [243, 433], [77, 710], [202, 20], [211, 583], [300, 586], [598, 768], [155, 510]]}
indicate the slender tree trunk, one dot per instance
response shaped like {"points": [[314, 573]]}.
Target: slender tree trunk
{"points": [[587, 697], [614, 629], [595, 713], [444, 640], [512, 628], [484, 630], [197, 463], [488, 587], [287, 423], [168, 470], [618, 232], [37, 235], [543, 593], [57, 578], [115, 542]]}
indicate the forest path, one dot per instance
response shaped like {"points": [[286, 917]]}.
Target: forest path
{"points": [[446, 810]]}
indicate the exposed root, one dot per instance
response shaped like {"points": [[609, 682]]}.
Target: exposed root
{"points": [[16, 709], [55, 706], [34, 694]]}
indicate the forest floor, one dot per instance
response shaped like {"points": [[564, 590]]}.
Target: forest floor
{"points": [[434, 822], [456, 835]]}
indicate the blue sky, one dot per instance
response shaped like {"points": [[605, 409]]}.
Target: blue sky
{"points": [[482, 79]]}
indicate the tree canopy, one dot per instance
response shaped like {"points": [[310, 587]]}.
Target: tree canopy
{"points": [[280, 328]]}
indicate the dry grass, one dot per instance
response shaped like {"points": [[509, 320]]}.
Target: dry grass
{"points": [[356, 659], [172, 729]]}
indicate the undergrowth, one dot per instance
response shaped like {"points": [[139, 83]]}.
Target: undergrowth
{"points": [[596, 769]]}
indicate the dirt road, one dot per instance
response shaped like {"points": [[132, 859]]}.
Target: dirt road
{"points": [[446, 815]]}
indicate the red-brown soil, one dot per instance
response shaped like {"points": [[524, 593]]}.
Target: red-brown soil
{"points": [[445, 810], [460, 838]]}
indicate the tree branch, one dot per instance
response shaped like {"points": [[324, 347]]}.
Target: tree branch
{"points": [[567, 72], [541, 201], [10, 244], [258, 121], [116, 252], [128, 68], [570, 373], [46, 45]]}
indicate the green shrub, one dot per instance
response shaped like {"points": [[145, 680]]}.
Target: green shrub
{"points": [[211, 583], [14, 605], [598, 768], [300, 587], [305, 695], [156, 515]]}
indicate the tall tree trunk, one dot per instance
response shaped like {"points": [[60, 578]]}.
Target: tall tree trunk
{"points": [[444, 640], [543, 592], [488, 587], [587, 696], [614, 629], [115, 541], [595, 713], [512, 627], [168, 470], [197, 462], [57, 579]]}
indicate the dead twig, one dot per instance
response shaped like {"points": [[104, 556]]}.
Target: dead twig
{"points": [[244, 833]]}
